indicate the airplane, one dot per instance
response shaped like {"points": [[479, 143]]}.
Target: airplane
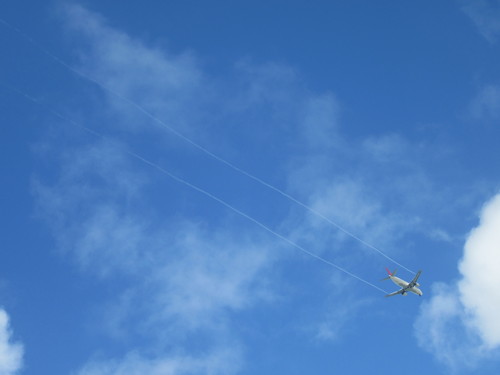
{"points": [[405, 286]]}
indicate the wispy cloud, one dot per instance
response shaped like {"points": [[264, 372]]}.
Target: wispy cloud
{"points": [[486, 105], [89, 220], [187, 277], [11, 353], [222, 362], [104, 225], [170, 85], [375, 187], [486, 16], [339, 312], [459, 323], [203, 282]]}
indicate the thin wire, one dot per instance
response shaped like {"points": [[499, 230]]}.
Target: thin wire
{"points": [[198, 146], [198, 189]]}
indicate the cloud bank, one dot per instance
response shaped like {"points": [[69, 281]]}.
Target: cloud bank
{"points": [[11, 353], [459, 324], [478, 288]]}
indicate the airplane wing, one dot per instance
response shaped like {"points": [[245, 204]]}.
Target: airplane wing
{"points": [[395, 293], [414, 281]]}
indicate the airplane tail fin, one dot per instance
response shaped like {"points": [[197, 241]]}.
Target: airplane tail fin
{"points": [[390, 274], [393, 273]]}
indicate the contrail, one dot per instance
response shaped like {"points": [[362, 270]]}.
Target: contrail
{"points": [[198, 189], [197, 145]]}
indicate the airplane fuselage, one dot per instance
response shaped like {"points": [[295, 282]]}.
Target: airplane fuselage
{"points": [[403, 284]]}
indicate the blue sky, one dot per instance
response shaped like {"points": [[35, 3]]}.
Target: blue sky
{"points": [[381, 118]]}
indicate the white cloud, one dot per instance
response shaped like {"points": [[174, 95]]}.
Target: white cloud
{"points": [[199, 282], [213, 274], [357, 210], [11, 353], [459, 324], [355, 185], [169, 85], [478, 288], [441, 329], [486, 16], [348, 203], [221, 362], [89, 219]]}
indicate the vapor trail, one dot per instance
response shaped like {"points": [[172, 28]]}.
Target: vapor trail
{"points": [[198, 189], [197, 145]]}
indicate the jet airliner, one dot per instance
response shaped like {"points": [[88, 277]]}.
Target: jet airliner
{"points": [[405, 286]]}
